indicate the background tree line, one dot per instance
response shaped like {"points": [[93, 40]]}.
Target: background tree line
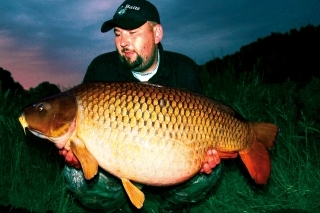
{"points": [[276, 58]]}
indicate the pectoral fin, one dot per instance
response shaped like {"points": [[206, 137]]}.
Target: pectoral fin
{"points": [[88, 162], [226, 155], [136, 195]]}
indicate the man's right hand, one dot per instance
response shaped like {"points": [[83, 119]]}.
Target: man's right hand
{"points": [[70, 158]]}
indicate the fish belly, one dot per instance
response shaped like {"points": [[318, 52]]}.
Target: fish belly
{"points": [[154, 135], [147, 159]]}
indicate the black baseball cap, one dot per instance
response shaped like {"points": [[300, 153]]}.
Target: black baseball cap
{"points": [[132, 14]]}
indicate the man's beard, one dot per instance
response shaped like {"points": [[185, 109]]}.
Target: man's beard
{"points": [[140, 64]]}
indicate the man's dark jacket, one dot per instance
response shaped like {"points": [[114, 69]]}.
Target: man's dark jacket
{"points": [[175, 70]]}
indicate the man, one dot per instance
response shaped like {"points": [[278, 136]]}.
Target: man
{"points": [[140, 57]]}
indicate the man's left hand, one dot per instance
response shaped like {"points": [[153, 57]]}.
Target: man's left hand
{"points": [[213, 160]]}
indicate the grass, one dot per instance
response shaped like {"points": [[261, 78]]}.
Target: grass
{"points": [[31, 174]]}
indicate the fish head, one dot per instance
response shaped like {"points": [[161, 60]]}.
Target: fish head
{"points": [[52, 118]]}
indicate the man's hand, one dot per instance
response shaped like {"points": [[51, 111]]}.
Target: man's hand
{"points": [[213, 160], [70, 158]]}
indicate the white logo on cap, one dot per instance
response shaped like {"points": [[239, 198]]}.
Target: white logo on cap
{"points": [[128, 6], [122, 10]]}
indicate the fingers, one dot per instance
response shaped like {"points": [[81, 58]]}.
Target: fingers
{"points": [[213, 160], [206, 169], [76, 162], [70, 158], [62, 152]]}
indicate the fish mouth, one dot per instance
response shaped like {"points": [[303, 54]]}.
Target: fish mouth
{"points": [[59, 142], [23, 123]]}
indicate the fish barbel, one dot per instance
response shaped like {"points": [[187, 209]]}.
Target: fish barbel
{"points": [[148, 134]]}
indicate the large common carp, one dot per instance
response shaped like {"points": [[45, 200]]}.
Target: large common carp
{"points": [[148, 134]]}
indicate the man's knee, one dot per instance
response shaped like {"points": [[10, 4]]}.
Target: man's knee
{"points": [[193, 191], [101, 192]]}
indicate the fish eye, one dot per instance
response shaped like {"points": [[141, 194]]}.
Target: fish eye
{"points": [[40, 107]]}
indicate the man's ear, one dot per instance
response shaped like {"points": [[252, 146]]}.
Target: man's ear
{"points": [[158, 32]]}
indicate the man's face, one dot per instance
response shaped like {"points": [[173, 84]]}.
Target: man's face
{"points": [[137, 48]]}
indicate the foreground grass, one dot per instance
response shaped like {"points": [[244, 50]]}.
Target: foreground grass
{"points": [[31, 168]]}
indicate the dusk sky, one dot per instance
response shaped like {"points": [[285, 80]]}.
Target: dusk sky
{"points": [[55, 40]]}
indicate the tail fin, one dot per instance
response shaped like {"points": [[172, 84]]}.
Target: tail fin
{"points": [[256, 158]]}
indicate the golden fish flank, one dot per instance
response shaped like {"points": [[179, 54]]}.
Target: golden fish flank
{"points": [[149, 134]]}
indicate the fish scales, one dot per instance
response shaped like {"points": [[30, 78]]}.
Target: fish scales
{"points": [[137, 125]]}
